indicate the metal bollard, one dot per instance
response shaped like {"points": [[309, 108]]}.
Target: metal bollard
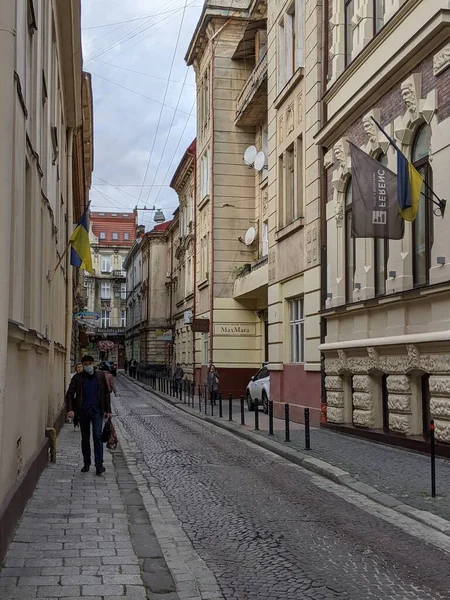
{"points": [[307, 431], [287, 431], [242, 410], [230, 407], [220, 406], [270, 417], [256, 416], [199, 400], [433, 459]]}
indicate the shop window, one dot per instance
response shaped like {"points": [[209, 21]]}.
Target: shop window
{"points": [[350, 246], [297, 330], [422, 227]]}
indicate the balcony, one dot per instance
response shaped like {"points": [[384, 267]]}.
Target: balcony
{"points": [[251, 105], [252, 282], [119, 274]]}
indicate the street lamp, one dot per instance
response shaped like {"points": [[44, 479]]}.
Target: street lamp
{"points": [[159, 215]]}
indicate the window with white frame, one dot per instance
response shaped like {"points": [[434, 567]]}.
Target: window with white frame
{"points": [[205, 97], [123, 318], [188, 280], [115, 236], [297, 330], [265, 149], [126, 236], [102, 235], [123, 291], [290, 43], [105, 318], [204, 174], [265, 239], [105, 290], [204, 257], [205, 348], [105, 264]]}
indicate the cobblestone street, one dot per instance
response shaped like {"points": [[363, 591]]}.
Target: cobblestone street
{"points": [[264, 528]]}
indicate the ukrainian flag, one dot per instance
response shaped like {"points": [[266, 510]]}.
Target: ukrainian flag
{"points": [[409, 182], [80, 249]]}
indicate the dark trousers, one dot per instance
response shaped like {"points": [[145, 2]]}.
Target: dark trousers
{"points": [[85, 425], [213, 396]]}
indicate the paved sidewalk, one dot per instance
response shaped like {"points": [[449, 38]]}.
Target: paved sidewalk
{"points": [[74, 537], [403, 474]]}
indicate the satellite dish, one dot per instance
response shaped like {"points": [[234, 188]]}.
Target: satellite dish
{"points": [[260, 161], [250, 236], [250, 155]]}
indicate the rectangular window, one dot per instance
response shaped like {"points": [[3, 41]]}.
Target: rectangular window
{"points": [[378, 15], [299, 179], [204, 257], [291, 211], [123, 318], [349, 13], [106, 264], [280, 191], [105, 319], [204, 164], [381, 252], [206, 97], [292, 43], [102, 235], [123, 291], [105, 290], [281, 56], [115, 236], [297, 330], [126, 236], [205, 348], [265, 239], [265, 149], [188, 281]]}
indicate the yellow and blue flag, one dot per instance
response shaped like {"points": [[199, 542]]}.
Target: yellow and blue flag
{"points": [[409, 182], [80, 248]]}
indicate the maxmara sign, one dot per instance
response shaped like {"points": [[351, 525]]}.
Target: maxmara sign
{"points": [[234, 329]]}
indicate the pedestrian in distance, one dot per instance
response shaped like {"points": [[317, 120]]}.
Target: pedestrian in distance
{"points": [[125, 366], [76, 417], [212, 383], [89, 396], [133, 368], [109, 380], [178, 375]]}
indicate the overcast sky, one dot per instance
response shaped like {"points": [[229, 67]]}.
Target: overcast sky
{"points": [[138, 55]]}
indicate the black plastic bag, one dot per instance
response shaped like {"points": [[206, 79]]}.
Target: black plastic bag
{"points": [[106, 433]]}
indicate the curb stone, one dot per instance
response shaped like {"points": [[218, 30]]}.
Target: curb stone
{"points": [[315, 465]]}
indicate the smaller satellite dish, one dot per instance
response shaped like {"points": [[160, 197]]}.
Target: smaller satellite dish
{"points": [[260, 161], [250, 155], [250, 236]]}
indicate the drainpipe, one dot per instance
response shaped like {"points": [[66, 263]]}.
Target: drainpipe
{"points": [[211, 199], [69, 274], [323, 203], [7, 52], [194, 228]]}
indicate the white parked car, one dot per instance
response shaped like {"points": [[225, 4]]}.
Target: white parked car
{"points": [[258, 390]]}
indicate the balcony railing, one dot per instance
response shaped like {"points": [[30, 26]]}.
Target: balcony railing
{"points": [[252, 101], [252, 280]]}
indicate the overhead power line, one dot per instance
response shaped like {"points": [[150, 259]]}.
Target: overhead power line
{"points": [[164, 99], [103, 62]]}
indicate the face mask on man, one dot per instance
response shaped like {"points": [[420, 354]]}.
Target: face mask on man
{"points": [[89, 369]]}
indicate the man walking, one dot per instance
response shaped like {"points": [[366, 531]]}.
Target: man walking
{"points": [[178, 375], [88, 395]]}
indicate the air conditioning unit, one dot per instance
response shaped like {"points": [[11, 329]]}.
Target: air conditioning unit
{"points": [[188, 317]]}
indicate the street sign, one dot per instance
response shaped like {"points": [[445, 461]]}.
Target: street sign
{"points": [[88, 318]]}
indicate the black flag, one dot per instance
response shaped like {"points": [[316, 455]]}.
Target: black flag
{"points": [[375, 212]]}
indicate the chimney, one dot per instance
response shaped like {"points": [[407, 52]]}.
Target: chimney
{"points": [[140, 231]]}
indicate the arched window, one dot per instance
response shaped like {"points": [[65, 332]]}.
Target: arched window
{"points": [[381, 252], [422, 230], [350, 260]]}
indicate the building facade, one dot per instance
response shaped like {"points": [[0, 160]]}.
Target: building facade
{"points": [[182, 249], [45, 140], [133, 296], [387, 347], [111, 236]]}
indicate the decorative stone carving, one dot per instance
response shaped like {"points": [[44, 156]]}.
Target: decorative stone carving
{"points": [[335, 399], [399, 403], [418, 110], [358, 364], [280, 128], [441, 60], [398, 383], [333, 383], [363, 418], [362, 383], [410, 90], [331, 366], [289, 119], [413, 356], [439, 363], [328, 159], [265, 202], [362, 400], [342, 361], [335, 414], [300, 107], [442, 430], [342, 154], [440, 408], [374, 359], [377, 141], [400, 423], [440, 386]]}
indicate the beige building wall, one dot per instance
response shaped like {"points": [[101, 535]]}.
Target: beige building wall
{"points": [[40, 108], [388, 334]]}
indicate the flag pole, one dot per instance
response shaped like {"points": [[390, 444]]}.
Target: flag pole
{"points": [[52, 272], [441, 203]]}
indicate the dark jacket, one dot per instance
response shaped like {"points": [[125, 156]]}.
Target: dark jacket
{"points": [[212, 381], [74, 394]]}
